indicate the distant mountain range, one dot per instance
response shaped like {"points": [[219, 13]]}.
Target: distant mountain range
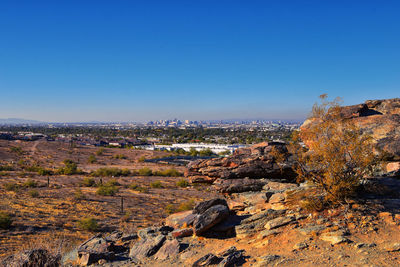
{"points": [[13, 121]]}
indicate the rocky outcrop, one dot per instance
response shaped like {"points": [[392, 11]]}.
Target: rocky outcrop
{"points": [[32, 258], [264, 160], [378, 118]]}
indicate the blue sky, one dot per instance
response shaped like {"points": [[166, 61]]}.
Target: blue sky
{"points": [[147, 60]]}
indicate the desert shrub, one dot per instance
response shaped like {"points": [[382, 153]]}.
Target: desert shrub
{"points": [[6, 168], [5, 220], [2, 173], [88, 182], [120, 156], [79, 195], [33, 193], [142, 159], [100, 152], [11, 186], [169, 209], [136, 187], [70, 167], [145, 172], [168, 173], [30, 183], [17, 149], [188, 205], [44, 171], [112, 182], [108, 172], [206, 153], [105, 190], [92, 159], [182, 183], [156, 184], [88, 224], [339, 155]]}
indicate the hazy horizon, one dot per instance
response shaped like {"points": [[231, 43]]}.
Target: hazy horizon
{"points": [[131, 61]]}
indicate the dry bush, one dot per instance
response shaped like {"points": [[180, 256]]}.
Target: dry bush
{"points": [[339, 155]]}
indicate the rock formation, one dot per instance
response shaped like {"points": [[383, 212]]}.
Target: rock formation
{"points": [[378, 118], [256, 162]]}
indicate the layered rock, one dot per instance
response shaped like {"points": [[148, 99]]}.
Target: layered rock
{"points": [[378, 118], [255, 162]]}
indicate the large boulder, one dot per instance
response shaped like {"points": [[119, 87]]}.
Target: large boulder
{"points": [[201, 207], [378, 118], [209, 218], [264, 160], [95, 249], [147, 247]]}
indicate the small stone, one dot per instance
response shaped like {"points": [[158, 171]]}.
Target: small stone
{"points": [[299, 246], [182, 232], [334, 237], [392, 247], [278, 222]]}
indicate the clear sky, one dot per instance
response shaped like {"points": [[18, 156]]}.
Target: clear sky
{"points": [[146, 60]]}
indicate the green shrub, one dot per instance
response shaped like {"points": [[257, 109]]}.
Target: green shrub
{"points": [[182, 183], [69, 168], [169, 209], [30, 183], [108, 172], [6, 168], [138, 188], [142, 159], [156, 184], [33, 193], [79, 195], [105, 190], [92, 159], [100, 152], [188, 205], [168, 173], [88, 182], [120, 156], [44, 172], [17, 149], [11, 186], [5, 220], [88, 224], [145, 172], [112, 182]]}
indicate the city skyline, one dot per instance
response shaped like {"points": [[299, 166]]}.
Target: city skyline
{"points": [[131, 61]]}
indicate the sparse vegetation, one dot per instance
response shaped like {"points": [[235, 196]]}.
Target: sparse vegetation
{"points": [[79, 195], [88, 182], [88, 224], [11, 186], [142, 159], [107, 190], [30, 183], [136, 187], [168, 173], [100, 152], [6, 168], [17, 150], [156, 184], [110, 172], [70, 168], [92, 159], [145, 172], [182, 183], [120, 156], [5, 220], [33, 193], [339, 156]]}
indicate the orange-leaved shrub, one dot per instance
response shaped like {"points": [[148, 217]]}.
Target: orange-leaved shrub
{"points": [[339, 155]]}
